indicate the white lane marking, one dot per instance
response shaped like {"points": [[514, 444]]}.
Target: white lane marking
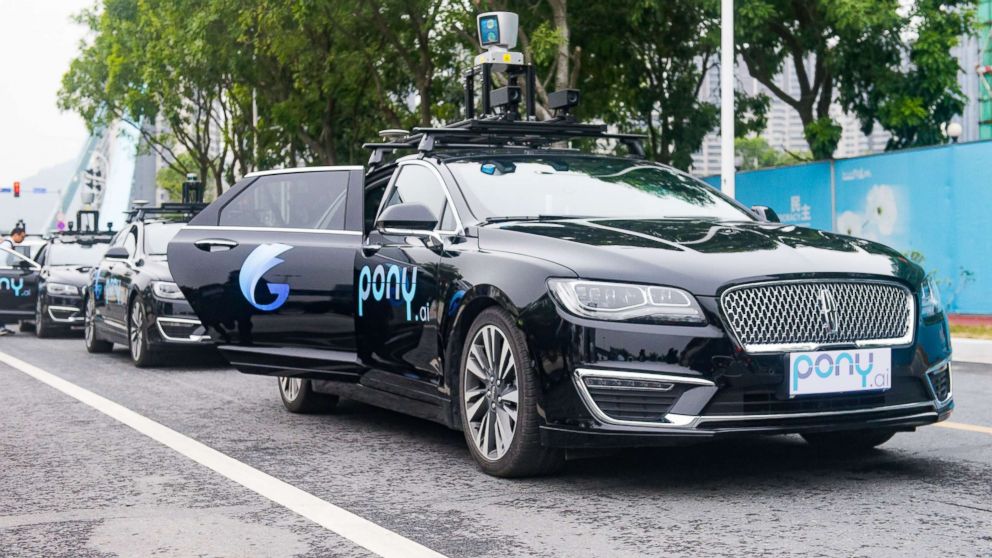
{"points": [[965, 426], [364, 533]]}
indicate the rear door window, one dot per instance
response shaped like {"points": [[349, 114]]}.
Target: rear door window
{"points": [[306, 200]]}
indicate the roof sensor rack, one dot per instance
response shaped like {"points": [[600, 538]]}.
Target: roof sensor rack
{"points": [[498, 123]]}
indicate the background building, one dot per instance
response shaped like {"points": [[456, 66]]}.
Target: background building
{"points": [[785, 130]]}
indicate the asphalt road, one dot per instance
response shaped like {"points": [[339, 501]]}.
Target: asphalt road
{"points": [[75, 482]]}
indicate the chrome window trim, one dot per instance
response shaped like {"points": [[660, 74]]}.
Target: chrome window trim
{"points": [[303, 169], [268, 229], [459, 226], [897, 342], [182, 321]]}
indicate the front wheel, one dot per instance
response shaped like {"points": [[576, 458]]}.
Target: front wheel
{"points": [[93, 342], [298, 396], [141, 351], [849, 442], [498, 390], [42, 328]]}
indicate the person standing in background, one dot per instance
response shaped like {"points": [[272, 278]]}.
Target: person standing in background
{"points": [[16, 237]]}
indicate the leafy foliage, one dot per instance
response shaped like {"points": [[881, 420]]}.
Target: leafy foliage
{"points": [[223, 87], [884, 60]]}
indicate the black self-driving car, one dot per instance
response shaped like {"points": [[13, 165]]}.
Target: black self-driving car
{"points": [[66, 261], [131, 298], [539, 298]]}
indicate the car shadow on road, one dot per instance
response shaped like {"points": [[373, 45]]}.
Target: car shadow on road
{"points": [[736, 464], [189, 359]]}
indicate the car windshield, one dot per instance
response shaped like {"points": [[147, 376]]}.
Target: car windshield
{"points": [[75, 254], [583, 186], [158, 235]]}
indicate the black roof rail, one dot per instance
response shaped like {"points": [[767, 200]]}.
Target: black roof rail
{"points": [[188, 210], [495, 132]]}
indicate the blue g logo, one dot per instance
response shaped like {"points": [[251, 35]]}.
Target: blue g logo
{"points": [[257, 264]]}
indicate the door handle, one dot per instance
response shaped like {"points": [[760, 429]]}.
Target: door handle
{"points": [[215, 244]]}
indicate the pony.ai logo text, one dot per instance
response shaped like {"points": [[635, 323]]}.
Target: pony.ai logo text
{"points": [[257, 264], [391, 284]]}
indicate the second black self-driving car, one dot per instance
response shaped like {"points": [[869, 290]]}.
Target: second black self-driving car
{"points": [[538, 298], [131, 298], [66, 261]]}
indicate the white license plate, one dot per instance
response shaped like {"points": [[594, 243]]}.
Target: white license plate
{"points": [[840, 371]]}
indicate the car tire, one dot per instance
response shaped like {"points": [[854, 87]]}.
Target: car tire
{"points": [[298, 396], [142, 354], [497, 398], [90, 335], [25, 327], [41, 329], [848, 442]]}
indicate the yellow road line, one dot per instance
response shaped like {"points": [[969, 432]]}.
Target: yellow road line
{"points": [[963, 426]]}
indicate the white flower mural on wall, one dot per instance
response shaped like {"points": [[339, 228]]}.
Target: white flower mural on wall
{"points": [[850, 223], [879, 218], [883, 209]]}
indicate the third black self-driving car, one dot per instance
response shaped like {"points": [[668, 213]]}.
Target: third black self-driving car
{"points": [[66, 261], [131, 299], [539, 298]]}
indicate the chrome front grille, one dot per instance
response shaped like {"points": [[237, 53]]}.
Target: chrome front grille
{"points": [[804, 315]]}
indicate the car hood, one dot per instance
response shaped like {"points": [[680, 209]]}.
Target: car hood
{"points": [[68, 275], [701, 256]]}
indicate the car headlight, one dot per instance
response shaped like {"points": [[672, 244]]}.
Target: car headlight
{"points": [[167, 290], [61, 289], [626, 302], [930, 304]]}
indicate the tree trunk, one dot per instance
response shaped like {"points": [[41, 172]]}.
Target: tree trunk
{"points": [[559, 11]]}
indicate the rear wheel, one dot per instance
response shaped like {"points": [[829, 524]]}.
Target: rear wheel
{"points": [[93, 342], [298, 396], [142, 354], [848, 442], [498, 393]]}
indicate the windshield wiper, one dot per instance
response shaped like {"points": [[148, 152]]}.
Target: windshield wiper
{"points": [[508, 218]]}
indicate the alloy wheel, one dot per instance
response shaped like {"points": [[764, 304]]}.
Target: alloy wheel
{"points": [[89, 327], [290, 387], [137, 333], [490, 400]]}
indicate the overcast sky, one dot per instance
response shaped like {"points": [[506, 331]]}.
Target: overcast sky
{"points": [[37, 41]]}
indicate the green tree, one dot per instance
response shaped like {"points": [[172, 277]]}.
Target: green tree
{"points": [[853, 51], [756, 153]]}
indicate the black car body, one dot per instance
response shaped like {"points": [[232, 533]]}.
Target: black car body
{"points": [[19, 276], [66, 261], [392, 288], [131, 298]]}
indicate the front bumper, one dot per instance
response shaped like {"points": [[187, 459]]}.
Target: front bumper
{"points": [[676, 428], [67, 311], [705, 387], [176, 324]]}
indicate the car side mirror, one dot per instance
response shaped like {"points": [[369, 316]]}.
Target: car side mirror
{"points": [[26, 265], [765, 213], [411, 216], [117, 253]]}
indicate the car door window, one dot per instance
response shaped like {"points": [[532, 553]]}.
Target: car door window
{"points": [[306, 200], [131, 241], [416, 183]]}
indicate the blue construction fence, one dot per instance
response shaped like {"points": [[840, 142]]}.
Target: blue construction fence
{"points": [[933, 204]]}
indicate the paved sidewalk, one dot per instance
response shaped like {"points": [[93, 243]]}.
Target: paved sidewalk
{"points": [[972, 350]]}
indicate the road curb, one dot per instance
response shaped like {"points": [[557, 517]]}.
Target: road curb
{"points": [[972, 350]]}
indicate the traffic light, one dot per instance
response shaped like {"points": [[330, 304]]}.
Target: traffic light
{"points": [[17, 189]]}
